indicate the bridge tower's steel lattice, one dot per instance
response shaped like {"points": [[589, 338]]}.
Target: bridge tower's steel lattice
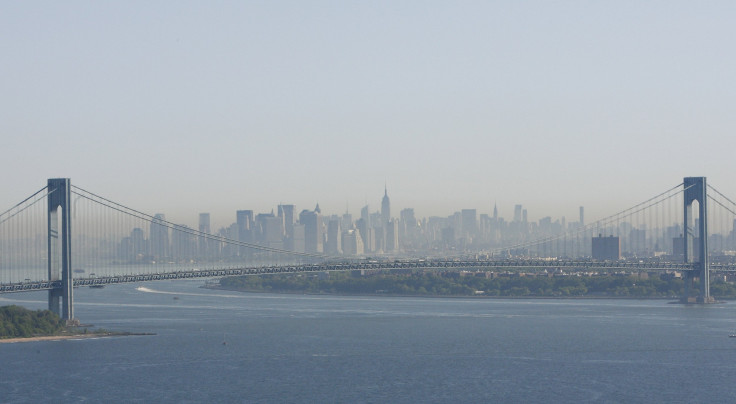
{"points": [[60, 247], [695, 190]]}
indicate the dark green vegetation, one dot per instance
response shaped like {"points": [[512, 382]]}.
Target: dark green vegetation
{"points": [[16, 321], [454, 284]]}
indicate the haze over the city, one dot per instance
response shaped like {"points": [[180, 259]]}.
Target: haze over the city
{"points": [[186, 107]]}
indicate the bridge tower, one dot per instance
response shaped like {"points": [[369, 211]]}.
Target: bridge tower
{"points": [[695, 190], [60, 247]]}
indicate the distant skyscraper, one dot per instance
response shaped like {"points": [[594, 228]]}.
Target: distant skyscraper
{"points": [[346, 222], [408, 227], [365, 214], [334, 238], [268, 228], [244, 223], [392, 236], [407, 218], [159, 237], [273, 232], [469, 222], [244, 219], [204, 227], [495, 212], [230, 232], [312, 221], [385, 208], [296, 243], [582, 217], [288, 213], [138, 243], [183, 244], [517, 213], [352, 243], [367, 234], [204, 222], [606, 248]]}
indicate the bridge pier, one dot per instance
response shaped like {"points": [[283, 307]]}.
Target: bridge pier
{"points": [[688, 278], [687, 281], [55, 301], [60, 247]]}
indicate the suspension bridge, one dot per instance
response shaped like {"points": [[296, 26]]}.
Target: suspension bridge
{"points": [[63, 236]]}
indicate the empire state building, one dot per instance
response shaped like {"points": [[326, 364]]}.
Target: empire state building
{"points": [[385, 208]]}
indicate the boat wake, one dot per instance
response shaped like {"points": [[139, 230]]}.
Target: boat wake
{"points": [[162, 292]]}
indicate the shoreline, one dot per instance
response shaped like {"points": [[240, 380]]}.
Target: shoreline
{"points": [[70, 337]]}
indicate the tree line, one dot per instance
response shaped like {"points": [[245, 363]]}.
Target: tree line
{"points": [[453, 284], [19, 322]]}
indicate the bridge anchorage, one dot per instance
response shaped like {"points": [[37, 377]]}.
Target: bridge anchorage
{"points": [[105, 245]]}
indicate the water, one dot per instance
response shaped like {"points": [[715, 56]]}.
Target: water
{"points": [[294, 348]]}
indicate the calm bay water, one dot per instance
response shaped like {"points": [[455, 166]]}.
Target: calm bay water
{"points": [[294, 348]]}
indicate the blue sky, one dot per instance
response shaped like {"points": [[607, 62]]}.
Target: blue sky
{"points": [[187, 107]]}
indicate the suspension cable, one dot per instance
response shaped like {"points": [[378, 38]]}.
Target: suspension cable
{"points": [[25, 200], [602, 222], [25, 207], [144, 216], [723, 196], [721, 205]]}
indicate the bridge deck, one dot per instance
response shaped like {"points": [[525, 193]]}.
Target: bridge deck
{"points": [[580, 265]]}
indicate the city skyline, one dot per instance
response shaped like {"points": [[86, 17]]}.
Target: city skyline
{"points": [[186, 108], [640, 233], [226, 219]]}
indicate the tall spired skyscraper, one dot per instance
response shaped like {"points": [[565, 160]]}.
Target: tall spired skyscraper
{"points": [[385, 208]]}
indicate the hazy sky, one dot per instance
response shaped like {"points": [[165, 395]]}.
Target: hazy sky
{"points": [[185, 107]]}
